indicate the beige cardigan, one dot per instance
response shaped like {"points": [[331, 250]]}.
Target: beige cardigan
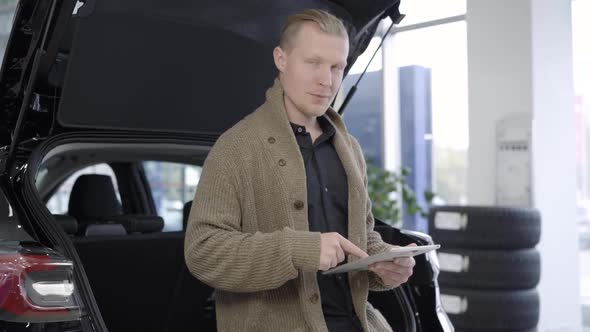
{"points": [[248, 235]]}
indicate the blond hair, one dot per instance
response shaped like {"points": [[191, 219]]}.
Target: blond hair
{"points": [[327, 23]]}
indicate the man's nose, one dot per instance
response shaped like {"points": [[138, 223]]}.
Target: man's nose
{"points": [[325, 76]]}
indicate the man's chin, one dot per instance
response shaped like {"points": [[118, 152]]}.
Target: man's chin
{"points": [[317, 110]]}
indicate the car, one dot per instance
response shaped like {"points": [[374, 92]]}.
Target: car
{"points": [[101, 102]]}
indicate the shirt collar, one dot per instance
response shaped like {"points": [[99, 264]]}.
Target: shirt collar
{"points": [[327, 127]]}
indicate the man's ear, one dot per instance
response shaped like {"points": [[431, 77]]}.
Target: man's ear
{"points": [[280, 58]]}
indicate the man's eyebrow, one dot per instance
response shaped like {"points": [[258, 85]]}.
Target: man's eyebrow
{"points": [[314, 57], [319, 57]]}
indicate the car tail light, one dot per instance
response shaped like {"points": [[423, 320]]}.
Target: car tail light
{"points": [[36, 286]]}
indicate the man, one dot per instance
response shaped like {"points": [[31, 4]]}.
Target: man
{"points": [[283, 196]]}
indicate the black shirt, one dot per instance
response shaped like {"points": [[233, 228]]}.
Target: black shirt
{"points": [[327, 203]]}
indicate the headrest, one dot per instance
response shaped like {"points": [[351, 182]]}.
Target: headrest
{"points": [[93, 197], [185, 213], [138, 223], [68, 223], [104, 229]]}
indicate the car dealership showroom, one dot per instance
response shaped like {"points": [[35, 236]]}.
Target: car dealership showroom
{"points": [[150, 180]]}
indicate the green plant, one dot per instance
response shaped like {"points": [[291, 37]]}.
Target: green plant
{"points": [[386, 188]]}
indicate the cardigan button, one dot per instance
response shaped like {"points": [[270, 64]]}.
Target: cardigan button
{"points": [[299, 204], [282, 162], [314, 298], [272, 140]]}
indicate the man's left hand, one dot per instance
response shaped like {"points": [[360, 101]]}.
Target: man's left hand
{"points": [[396, 272]]}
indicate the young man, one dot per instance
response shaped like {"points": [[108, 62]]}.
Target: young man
{"points": [[283, 196]]}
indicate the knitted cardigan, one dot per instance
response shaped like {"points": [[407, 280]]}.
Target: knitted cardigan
{"points": [[248, 234]]}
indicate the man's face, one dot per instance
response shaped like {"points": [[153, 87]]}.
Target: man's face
{"points": [[312, 69]]}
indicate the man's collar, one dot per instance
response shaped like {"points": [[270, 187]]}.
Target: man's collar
{"points": [[298, 129], [275, 107], [327, 127]]}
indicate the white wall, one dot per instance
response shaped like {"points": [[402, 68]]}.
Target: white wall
{"points": [[499, 75], [520, 61]]}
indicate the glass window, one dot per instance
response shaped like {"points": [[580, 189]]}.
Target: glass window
{"points": [[418, 11], [172, 186], [363, 115], [7, 9], [431, 64], [442, 51], [58, 203], [361, 62]]}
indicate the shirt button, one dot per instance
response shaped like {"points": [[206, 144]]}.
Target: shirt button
{"points": [[314, 298], [299, 129], [282, 162], [326, 189], [271, 140], [298, 204]]}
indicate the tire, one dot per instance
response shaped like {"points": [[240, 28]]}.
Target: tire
{"points": [[485, 227], [489, 269], [491, 310]]}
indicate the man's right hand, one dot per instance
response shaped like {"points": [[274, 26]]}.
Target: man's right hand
{"points": [[334, 248]]}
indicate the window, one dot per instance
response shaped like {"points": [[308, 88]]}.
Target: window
{"points": [[419, 11], [442, 50], [426, 71], [172, 186], [58, 203], [363, 115]]}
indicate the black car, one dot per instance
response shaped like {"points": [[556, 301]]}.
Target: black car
{"points": [[97, 98]]}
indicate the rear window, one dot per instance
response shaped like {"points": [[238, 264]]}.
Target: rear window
{"points": [[172, 185]]}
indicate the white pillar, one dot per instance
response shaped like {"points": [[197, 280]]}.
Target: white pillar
{"points": [[391, 108], [520, 62]]}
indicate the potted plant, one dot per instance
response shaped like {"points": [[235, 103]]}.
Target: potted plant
{"points": [[385, 190]]}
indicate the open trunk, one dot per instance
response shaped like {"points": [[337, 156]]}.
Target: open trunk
{"points": [[194, 67]]}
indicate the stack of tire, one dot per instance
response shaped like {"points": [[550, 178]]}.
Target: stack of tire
{"points": [[489, 267]]}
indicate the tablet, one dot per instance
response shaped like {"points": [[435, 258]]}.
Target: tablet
{"points": [[363, 264]]}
